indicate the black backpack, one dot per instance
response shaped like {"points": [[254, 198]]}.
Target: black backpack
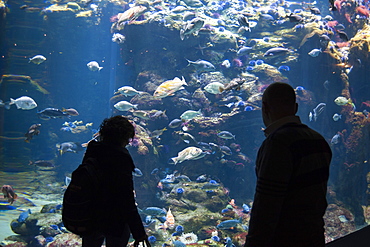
{"points": [[78, 212]]}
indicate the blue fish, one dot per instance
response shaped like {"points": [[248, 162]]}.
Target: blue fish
{"points": [[335, 139], [154, 211], [23, 216], [137, 172], [229, 243], [227, 224], [246, 208]]}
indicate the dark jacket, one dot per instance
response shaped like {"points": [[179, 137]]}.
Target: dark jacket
{"points": [[115, 202], [292, 170]]}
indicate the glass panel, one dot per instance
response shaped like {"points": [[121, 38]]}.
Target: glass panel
{"points": [[190, 75]]}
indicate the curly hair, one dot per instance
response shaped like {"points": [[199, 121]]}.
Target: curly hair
{"points": [[116, 130]]}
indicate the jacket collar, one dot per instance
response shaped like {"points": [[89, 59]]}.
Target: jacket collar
{"points": [[278, 123]]}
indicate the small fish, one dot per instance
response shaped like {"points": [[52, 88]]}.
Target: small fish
{"points": [[9, 193], [294, 18], [175, 123], [226, 64], [335, 139], [137, 172], [190, 114], [212, 184], [71, 111], [226, 150], [141, 114], [94, 66], [24, 103], [154, 211], [33, 130], [118, 38], [315, 10], [246, 208], [38, 59], [124, 106], [23, 216], [226, 135], [315, 52], [214, 87], [72, 147], [243, 51], [243, 21], [157, 133], [227, 224], [276, 51], [187, 138], [336, 117], [67, 180], [49, 113], [202, 65], [42, 163], [317, 111], [341, 101], [127, 91], [190, 27], [5, 104]]}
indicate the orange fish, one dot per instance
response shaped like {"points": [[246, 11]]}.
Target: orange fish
{"points": [[232, 203], [170, 219], [9, 193]]}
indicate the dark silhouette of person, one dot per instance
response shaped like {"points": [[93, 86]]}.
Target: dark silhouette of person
{"points": [[292, 169], [116, 210]]}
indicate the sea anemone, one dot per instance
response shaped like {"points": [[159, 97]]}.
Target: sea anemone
{"points": [[248, 108], [180, 191], [188, 238], [237, 62], [216, 238], [152, 239], [179, 228]]}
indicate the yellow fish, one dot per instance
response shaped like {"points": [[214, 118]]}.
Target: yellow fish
{"points": [[168, 88]]}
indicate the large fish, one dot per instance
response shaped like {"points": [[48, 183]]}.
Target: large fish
{"points": [[168, 88], [276, 51], [24, 103], [189, 153], [202, 65], [190, 27], [49, 113]]}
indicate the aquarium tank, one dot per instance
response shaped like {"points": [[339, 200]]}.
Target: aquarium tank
{"points": [[189, 74]]}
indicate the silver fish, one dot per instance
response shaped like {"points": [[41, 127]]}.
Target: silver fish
{"points": [[202, 65]]}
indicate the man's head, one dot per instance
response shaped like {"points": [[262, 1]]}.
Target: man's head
{"points": [[278, 101], [116, 130]]}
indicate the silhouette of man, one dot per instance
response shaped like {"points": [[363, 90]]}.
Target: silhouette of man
{"points": [[292, 171]]}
